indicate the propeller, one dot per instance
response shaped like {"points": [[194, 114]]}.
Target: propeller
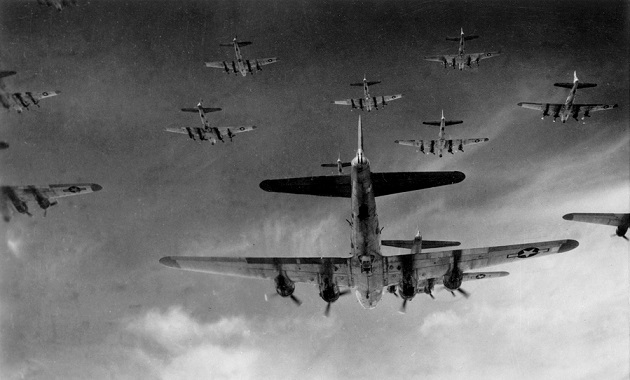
{"points": [[621, 236], [293, 298], [327, 311], [403, 308]]}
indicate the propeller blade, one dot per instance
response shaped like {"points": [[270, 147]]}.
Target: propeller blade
{"points": [[403, 308], [296, 300], [463, 292], [431, 295], [327, 311], [624, 237], [344, 292]]}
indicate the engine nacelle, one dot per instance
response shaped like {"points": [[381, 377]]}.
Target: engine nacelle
{"points": [[407, 290], [621, 231], [452, 280], [19, 204], [328, 291], [284, 286]]}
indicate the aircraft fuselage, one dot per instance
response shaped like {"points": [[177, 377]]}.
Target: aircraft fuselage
{"points": [[568, 104], [239, 60], [366, 95]]}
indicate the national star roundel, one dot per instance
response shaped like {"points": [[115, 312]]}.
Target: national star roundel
{"points": [[527, 252]]}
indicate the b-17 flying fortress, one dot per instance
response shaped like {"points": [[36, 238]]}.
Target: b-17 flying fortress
{"points": [[461, 60], [241, 65], [569, 108], [442, 143], [207, 132], [19, 101], [367, 102]]}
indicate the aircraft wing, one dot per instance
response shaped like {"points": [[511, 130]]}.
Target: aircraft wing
{"points": [[440, 58], [235, 130], [217, 64], [595, 218], [592, 107], [548, 108], [297, 269], [382, 183], [37, 95], [265, 61], [424, 146], [181, 130], [385, 99], [475, 57], [30, 193], [465, 142], [435, 264]]}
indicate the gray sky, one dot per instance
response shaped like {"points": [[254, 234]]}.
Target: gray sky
{"points": [[82, 294]]}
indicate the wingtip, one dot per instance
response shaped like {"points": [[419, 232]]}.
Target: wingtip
{"points": [[568, 245], [265, 185], [169, 262], [458, 177], [568, 217], [96, 187], [520, 104]]}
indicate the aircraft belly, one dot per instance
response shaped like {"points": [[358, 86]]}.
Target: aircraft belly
{"points": [[366, 230]]}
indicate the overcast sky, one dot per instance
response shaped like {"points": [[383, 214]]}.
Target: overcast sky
{"points": [[82, 294]]}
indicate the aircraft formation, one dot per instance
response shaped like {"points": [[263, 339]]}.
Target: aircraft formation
{"points": [[366, 269]]}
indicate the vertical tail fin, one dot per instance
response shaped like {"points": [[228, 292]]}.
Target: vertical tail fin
{"points": [[360, 148], [575, 78]]}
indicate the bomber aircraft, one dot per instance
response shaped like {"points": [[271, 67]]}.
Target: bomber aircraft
{"points": [[58, 4], [367, 102], [621, 221], [366, 269], [241, 65], [45, 196], [206, 132], [19, 101], [430, 146], [569, 108], [339, 165], [461, 60]]}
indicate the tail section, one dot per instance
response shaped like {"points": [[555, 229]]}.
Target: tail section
{"points": [[204, 109], [575, 80], [446, 122], [239, 43]]}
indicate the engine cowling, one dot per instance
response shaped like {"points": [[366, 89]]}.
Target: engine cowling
{"points": [[407, 290], [452, 280], [284, 286], [621, 231], [328, 290]]}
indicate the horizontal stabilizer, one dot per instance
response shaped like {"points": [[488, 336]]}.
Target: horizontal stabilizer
{"points": [[205, 109], [382, 183], [426, 244], [446, 122], [4, 74], [471, 37], [452, 38], [570, 85], [368, 83], [240, 43], [343, 165]]}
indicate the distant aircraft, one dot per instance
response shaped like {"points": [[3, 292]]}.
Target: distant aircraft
{"points": [[206, 132], [18, 101], [366, 269], [241, 65], [430, 146], [59, 4], [367, 102], [622, 221], [461, 60], [4, 145], [339, 165], [45, 196], [569, 108]]}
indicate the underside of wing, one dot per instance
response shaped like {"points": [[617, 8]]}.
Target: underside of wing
{"points": [[35, 96], [593, 107], [266, 61], [28, 193], [547, 107], [597, 218], [181, 130], [472, 276], [435, 264], [235, 130], [474, 141], [438, 58], [387, 98], [481, 56], [345, 102], [216, 64], [304, 269], [425, 244]]}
